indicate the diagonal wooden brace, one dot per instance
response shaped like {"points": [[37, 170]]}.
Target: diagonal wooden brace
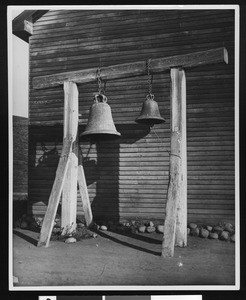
{"points": [[84, 194], [55, 195], [67, 175]]}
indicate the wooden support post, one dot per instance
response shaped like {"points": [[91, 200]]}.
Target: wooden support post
{"points": [[55, 195], [173, 195], [69, 194], [181, 226]]}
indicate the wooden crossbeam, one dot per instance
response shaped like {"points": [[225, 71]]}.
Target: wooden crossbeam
{"points": [[157, 65]]}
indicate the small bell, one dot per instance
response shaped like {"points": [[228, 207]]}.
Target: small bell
{"points": [[150, 113], [100, 125]]}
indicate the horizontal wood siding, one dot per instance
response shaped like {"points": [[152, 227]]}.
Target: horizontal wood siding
{"points": [[129, 177], [20, 158]]}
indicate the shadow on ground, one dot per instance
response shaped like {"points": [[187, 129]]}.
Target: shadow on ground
{"points": [[132, 236]]}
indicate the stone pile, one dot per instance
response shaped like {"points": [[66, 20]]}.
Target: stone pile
{"points": [[223, 231]]}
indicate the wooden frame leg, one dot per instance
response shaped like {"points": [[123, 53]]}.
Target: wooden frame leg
{"points": [[174, 198], [69, 194], [181, 226], [55, 195]]}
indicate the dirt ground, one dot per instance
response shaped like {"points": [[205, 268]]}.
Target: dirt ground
{"points": [[117, 259]]}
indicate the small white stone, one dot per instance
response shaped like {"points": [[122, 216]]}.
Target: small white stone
{"points": [[160, 228], [70, 240], [150, 229], [151, 224], [142, 229], [104, 228]]}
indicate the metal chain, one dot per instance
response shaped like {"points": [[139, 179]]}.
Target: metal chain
{"points": [[104, 87], [99, 81], [150, 77]]}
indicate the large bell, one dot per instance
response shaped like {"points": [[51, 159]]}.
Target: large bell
{"points": [[150, 113], [100, 125]]}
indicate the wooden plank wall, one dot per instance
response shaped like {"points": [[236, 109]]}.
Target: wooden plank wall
{"points": [[129, 177], [20, 158]]}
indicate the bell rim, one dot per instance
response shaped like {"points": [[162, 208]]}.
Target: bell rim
{"points": [[142, 119], [94, 132]]}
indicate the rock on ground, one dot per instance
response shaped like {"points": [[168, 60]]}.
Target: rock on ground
{"points": [[104, 228], [204, 233], [194, 232], [192, 225], [228, 227], [213, 235], [224, 236], [151, 224], [70, 240], [209, 228], [217, 229], [142, 229], [160, 228], [150, 229]]}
